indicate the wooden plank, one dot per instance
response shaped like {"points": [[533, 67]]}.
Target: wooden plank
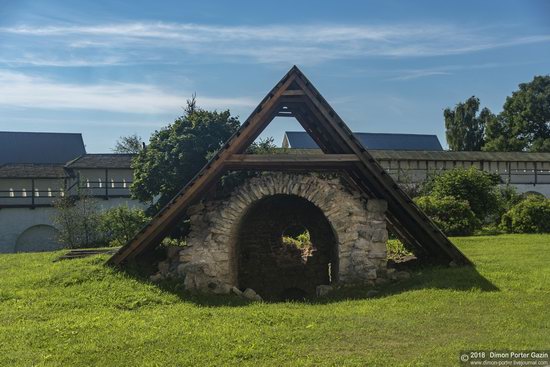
{"points": [[305, 161], [293, 92]]}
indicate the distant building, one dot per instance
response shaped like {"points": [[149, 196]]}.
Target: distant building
{"points": [[371, 141], [36, 169], [411, 158]]}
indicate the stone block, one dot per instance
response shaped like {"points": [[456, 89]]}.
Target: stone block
{"points": [[377, 206], [236, 291], [164, 266], [323, 290], [249, 294], [371, 274], [380, 235], [156, 277]]}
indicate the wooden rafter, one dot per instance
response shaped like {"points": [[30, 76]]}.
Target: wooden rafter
{"points": [[295, 96]]}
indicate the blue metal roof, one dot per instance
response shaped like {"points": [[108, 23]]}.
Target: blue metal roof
{"points": [[39, 148], [376, 141]]}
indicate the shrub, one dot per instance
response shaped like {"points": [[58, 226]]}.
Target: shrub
{"points": [[396, 249], [451, 215], [478, 188], [531, 215], [78, 221], [121, 223]]}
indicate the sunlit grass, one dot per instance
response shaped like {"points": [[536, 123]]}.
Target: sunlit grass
{"points": [[82, 313]]}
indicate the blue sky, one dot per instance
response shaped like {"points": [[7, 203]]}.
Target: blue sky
{"points": [[113, 68]]}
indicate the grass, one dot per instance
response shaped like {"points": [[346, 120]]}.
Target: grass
{"points": [[81, 313]]}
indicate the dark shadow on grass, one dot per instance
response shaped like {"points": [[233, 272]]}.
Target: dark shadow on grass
{"points": [[465, 278]]}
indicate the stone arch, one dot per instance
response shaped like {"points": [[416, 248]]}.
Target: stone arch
{"points": [[274, 266], [41, 237], [210, 259]]}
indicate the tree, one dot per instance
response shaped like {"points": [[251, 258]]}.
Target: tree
{"points": [[524, 123], [465, 130], [131, 144], [177, 152]]}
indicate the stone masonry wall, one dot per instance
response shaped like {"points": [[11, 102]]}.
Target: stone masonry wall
{"points": [[209, 262]]}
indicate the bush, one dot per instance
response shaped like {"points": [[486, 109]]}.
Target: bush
{"points": [[396, 249], [78, 220], [531, 215], [478, 188], [451, 215], [120, 224]]}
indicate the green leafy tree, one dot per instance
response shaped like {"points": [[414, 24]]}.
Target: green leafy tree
{"points": [[524, 123], [131, 144], [177, 152], [464, 127]]}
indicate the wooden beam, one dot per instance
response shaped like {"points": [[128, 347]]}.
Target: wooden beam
{"points": [[282, 161], [293, 92]]}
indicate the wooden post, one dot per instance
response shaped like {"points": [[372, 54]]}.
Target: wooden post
{"points": [[106, 183], [32, 193]]}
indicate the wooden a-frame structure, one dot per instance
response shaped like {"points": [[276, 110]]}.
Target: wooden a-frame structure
{"points": [[294, 96]]}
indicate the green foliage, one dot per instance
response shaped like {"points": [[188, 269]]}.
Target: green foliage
{"points": [[453, 216], [131, 144], [171, 242], [477, 187], [523, 125], [120, 224], [396, 249], [531, 215], [508, 197], [301, 241], [465, 130], [177, 152], [78, 220]]}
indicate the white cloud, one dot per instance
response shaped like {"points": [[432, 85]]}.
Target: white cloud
{"points": [[304, 44], [28, 91]]}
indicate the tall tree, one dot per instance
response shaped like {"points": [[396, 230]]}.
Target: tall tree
{"points": [[524, 123], [131, 144], [177, 152], [464, 128]]}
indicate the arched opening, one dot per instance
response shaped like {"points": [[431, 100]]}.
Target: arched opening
{"points": [[37, 238], [285, 248]]}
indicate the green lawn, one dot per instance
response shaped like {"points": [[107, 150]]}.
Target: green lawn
{"points": [[81, 313]]}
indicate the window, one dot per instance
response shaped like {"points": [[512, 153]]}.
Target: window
{"points": [[12, 194], [99, 184], [88, 183], [62, 192], [112, 182], [36, 193], [49, 192], [124, 183], [24, 192]]}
